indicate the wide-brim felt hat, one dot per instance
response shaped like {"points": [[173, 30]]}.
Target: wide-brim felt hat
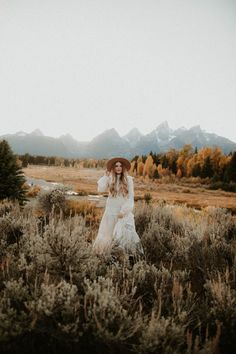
{"points": [[124, 162]]}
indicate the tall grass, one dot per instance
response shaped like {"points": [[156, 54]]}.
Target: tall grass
{"points": [[55, 294]]}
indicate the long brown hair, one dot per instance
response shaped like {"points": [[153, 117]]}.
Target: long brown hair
{"points": [[123, 185]]}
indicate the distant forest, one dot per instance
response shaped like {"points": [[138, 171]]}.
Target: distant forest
{"points": [[205, 163]]}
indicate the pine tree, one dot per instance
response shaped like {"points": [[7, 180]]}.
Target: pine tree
{"points": [[230, 173], [196, 172], [164, 161], [207, 170], [156, 174], [11, 175], [25, 160]]}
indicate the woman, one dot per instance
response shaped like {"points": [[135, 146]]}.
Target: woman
{"points": [[117, 228]]}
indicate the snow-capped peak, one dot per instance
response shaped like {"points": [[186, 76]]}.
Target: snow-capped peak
{"points": [[36, 132], [133, 136], [21, 133]]}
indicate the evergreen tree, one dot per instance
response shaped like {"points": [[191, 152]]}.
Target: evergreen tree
{"points": [[164, 161], [196, 170], [25, 160], [144, 158], [207, 169], [135, 158], [230, 172], [215, 178], [156, 158], [156, 175], [173, 165], [11, 175]]}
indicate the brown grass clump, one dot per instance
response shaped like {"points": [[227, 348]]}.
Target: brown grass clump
{"points": [[86, 209], [32, 192]]}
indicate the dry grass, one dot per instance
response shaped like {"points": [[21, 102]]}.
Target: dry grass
{"points": [[86, 209], [32, 192], [192, 193]]}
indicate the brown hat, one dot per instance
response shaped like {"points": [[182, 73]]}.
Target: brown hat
{"points": [[124, 162]]}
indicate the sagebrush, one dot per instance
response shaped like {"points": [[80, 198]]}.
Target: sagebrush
{"points": [[57, 295]]}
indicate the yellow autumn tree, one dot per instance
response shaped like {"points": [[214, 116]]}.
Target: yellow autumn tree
{"points": [[203, 153], [132, 170], [148, 167], [184, 155], [140, 167], [215, 159], [179, 173], [163, 171], [180, 165], [152, 170], [191, 163], [224, 160], [172, 156]]}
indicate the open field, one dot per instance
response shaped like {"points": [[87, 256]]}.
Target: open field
{"points": [[84, 181]]}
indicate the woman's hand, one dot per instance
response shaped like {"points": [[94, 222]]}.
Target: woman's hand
{"points": [[120, 215]]}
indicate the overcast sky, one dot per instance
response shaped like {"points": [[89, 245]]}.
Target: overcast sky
{"points": [[84, 66]]}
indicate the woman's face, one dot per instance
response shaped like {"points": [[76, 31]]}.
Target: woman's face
{"points": [[118, 168]]}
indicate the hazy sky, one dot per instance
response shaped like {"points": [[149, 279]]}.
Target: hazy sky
{"points": [[84, 66]]}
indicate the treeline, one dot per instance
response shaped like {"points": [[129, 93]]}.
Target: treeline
{"points": [[206, 163], [28, 159]]}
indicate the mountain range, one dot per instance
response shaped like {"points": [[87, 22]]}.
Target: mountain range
{"points": [[110, 143]]}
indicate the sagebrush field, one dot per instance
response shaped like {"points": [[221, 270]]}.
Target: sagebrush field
{"points": [[56, 295]]}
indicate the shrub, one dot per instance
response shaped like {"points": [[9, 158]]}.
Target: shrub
{"points": [[56, 294], [162, 335], [228, 187], [143, 216], [222, 306], [105, 315], [5, 207], [11, 230], [54, 200], [147, 197]]}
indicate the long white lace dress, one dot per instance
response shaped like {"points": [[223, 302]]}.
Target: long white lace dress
{"points": [[114, 231]]}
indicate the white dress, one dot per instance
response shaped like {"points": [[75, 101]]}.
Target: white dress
{"points": [[114, 231]]}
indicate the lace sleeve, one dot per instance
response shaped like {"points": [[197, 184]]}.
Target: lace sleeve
{"points": [[102, 183], [129, 203]]}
